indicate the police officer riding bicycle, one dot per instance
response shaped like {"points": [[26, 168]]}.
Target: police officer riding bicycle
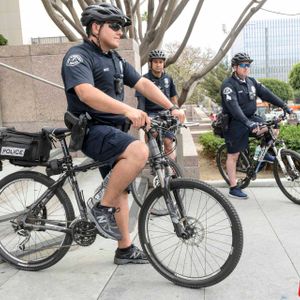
{"points": [[94, 75], [239, 93]]}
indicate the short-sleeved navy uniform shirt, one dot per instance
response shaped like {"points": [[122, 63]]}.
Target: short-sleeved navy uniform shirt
{"points": [[165, 84], [239, 102], [86, 63]]}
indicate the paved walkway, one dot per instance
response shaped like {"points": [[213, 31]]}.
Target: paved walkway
{"points": [[268, 270]]}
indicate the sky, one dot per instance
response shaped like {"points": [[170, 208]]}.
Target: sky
{"points": [[207, 31]]}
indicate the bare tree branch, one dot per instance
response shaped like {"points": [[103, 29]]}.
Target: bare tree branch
{"points": [[159, 12], [82, 4], [180, 7], [173, 59], [128, 10], [165, 18], [150, 14], [135, 6], [77, 26], [69, 5], [58, 21], [238, 26], [150, 36], [139, 23], [89, 2]]}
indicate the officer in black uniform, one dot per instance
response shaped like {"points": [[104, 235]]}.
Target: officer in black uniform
{"points": [[156, 64], [239, 93], [94, 75]]}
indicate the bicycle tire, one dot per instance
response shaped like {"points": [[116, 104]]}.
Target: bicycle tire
{"points": [[141, 186], [212, 217], [44, 248], [241, 167], [289, 186]]}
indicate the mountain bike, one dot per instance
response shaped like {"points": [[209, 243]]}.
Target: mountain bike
{"points": [[286, 167], [198, 243], [147, 180]]}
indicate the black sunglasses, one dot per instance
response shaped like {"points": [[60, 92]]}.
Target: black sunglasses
{"points": [[115, 26]]}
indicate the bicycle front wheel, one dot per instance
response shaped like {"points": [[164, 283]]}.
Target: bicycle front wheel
{"points": [[242, 166], [289, 182], [142, 186], [213, 245], [24, 241]]}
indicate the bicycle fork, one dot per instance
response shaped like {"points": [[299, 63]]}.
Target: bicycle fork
{"points": [[173, 207], [282, 165]]}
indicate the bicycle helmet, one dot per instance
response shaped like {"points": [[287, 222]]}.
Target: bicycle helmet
{"points": [[103, 12], [239, 58], [157, 54]]}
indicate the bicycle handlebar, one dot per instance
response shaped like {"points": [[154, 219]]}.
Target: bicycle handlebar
{"points": [[275, 121]]}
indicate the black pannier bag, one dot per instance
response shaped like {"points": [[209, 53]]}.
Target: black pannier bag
{"points": [[220, 125], [24, 148]]}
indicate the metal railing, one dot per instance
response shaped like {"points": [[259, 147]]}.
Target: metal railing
{"points": [[31, 75], [49, 40]]}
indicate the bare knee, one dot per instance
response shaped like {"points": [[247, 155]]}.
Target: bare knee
{"points": [[168, 144], [138, 151]]}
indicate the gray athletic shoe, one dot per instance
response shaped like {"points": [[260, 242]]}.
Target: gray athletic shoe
{"points": [[133, 256], [105, 222]]}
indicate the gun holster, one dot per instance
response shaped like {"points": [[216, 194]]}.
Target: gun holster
{"points": [[78, 127]]}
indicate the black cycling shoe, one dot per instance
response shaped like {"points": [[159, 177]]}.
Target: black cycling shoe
{"points": [[132, 256]]}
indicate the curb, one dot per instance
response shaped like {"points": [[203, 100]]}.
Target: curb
{"points": [[255, 183]]}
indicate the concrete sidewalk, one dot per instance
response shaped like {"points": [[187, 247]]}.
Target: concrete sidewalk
{"points": [[268, 270]]}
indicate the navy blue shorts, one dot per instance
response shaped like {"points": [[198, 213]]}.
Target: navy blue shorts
{"points": [[237, 136], [106, 143]]}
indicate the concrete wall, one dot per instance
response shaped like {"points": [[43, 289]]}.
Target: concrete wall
{"points": [[10, 21], [29, 104]]}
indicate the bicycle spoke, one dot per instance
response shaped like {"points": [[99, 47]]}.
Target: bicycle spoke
{"points": [[206, 244], [26, 236]]}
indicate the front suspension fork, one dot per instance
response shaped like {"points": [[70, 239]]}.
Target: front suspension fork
{"points": [[173, 208]]}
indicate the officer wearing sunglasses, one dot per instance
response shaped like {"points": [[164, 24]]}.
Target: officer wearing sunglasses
{"points": [[239, 93], [94, 76]]}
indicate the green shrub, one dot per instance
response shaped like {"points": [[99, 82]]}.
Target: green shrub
{"points": [[291, 135], [280, 88], [297, 96], [3, 40], [210, 144], [294, 77]]}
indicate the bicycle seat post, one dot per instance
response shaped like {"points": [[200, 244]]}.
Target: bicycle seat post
{"points": [[66, 152]]}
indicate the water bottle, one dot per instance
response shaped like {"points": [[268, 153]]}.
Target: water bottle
{"points": [[99, 191], [257, 152]]}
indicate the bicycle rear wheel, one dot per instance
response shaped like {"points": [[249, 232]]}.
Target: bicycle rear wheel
{"points": [[215, 242], [145, 182], [241, 167], [289, 183], [28, 246]]}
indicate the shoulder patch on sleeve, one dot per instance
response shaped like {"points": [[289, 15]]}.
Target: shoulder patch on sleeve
{"points": [[227, 91], [74, 60]]}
